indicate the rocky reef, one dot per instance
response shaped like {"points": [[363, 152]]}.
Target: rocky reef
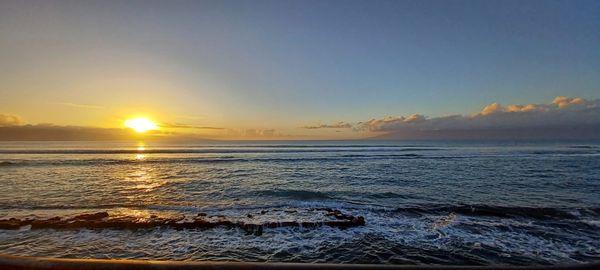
{"points": [[103, 220]]}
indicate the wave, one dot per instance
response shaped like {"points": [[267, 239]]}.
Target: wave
{"points": [[294, 194], [150, 160], [384, 156], [584, 146], [344, 145], [317, 199], [7, 163], [24, 206], [386, 195], [211, 150], [503, 211]]}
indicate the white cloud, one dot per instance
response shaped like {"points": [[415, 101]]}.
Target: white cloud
{"points": [[561, 113]]}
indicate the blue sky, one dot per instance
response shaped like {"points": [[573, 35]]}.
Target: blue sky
{"points": [[284, 64]]}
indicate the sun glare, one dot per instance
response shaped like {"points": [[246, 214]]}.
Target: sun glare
{"points": [[141, 124]]}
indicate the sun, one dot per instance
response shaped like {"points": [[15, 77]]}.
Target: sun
{"points": [[140, 124]]}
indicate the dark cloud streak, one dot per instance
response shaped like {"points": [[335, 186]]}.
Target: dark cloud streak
{"points": [[178, 125], [334, 125]]}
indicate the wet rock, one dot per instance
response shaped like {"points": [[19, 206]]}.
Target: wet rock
{"points": [[309, 224], [344, 224], [338, 214], [94, 216], [102, 220], [54, 222], [256, 229], [331, 212], [10, 224], [360, 221]]}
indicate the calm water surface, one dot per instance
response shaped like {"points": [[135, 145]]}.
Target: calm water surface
{"points": [[423, 202]]}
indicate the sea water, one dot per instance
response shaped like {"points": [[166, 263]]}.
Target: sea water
{"points": [[424, 202]]}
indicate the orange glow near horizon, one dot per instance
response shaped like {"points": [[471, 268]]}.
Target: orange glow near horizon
{"points": [[140, 124]]}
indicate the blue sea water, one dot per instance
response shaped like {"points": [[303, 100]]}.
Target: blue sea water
{"points": [[424, 202]]}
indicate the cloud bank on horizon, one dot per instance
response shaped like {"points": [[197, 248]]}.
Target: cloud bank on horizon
{"points": [[13, 128], [563, 118]]}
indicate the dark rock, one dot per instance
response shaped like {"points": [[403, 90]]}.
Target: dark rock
{"points": [[256, 229], [310, 224], [94, 216], [54, 222], [102, 220], [10, 224]]}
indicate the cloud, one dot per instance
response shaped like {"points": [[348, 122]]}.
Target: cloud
{"points": [[12, 128], [253, 133], [564, 117], [178, 125], [259, 133], [490, 109], [81, 106], [563, 102], [340, 124], [7, 120], [50, 132], [190, 117], [45, 132]]}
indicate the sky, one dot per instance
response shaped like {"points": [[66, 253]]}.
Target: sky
{"points": [[297, 69]]}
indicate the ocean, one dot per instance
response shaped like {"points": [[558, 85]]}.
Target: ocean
{"points": [[382, 202]]}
